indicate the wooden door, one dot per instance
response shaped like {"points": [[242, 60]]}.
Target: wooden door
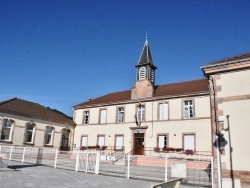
{"points": [[139, 144]]}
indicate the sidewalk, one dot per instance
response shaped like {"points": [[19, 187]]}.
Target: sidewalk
{"points": [[28, 175]]}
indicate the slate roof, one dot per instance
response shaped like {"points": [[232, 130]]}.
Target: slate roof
{"points": [[28, 109], [180, 88], [146, 57], [237, 58]]}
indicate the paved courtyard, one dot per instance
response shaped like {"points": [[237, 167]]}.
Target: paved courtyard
{"points": [[26, 175]]}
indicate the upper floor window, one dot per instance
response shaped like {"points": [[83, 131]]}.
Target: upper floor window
{"points": [[103, 114], [86, 117], [188, 109], [141, 113], [120, 116], [49, 133], [142, 73], [6, 129], [29, 133], [163, 111]]}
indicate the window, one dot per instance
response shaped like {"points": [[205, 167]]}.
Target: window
{"points": [[163, 111], [188, 109], [100, 140], [86, 117], [119, 142], [6, 129], [84, 141], [152, 75], [103, 116], [142, 73], [141, 113], [29, 133], [49, 132], [120, 115], [188, 142], [162, 141]]}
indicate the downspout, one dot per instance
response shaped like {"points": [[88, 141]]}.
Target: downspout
{"points": [[152, 123], [217, 135]]}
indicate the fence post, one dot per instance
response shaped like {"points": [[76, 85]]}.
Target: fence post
{"points": [[166, 168], [212, 171], [11, 149], [0, 148], [87, 163], [23, 154], [97, 164], [128, 165], [77, 161], [56, 158]]}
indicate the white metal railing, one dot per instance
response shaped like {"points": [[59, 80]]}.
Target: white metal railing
{"points": [[193, 169]]}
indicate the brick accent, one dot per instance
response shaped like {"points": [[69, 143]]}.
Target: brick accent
{"points": [[142, 89]]}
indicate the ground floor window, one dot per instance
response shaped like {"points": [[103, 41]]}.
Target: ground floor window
{"points": [[162, 141], [6, 128], [189, 142], [119, 142], [29, 133], [100, 140], [84, 141], [49, 132]]}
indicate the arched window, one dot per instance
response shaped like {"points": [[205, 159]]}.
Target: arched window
{"points": [[152, 75], [49, 134], [29, 133], [6, 129], [65, 140], [142, 73]]}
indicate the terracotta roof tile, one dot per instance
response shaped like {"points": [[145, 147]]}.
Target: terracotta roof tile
{"points": [[161, 90], [235, 58], [24, 108]]}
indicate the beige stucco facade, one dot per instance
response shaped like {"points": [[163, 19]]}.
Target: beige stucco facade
{"points": [[230, 101], [19, 128], [175, 126]]}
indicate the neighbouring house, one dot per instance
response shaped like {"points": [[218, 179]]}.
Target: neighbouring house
{"points": [[148, 117], [230, 109], [25, 123]]}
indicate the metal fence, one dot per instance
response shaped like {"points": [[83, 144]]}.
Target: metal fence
{"points": [[194, 169]]}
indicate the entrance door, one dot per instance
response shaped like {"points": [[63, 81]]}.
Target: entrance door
{"points": [[139, 143], [65, 140]]}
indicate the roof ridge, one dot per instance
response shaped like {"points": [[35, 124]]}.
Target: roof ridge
{"points": [[6, 101]]}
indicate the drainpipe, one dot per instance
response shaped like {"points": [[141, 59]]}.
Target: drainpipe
{"points": [[216, 133]]}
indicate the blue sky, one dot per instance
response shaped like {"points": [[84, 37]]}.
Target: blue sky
{"points": [[60, 53]]}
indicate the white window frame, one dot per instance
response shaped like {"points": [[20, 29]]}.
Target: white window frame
{"points": [[188, 109], [101, 140], [84, 142], [162, 140], [51, 135], [4, 125], [86, 117], [120, 114], [103, 116], [119, 139], [189, 142], [28, 131], [163, 111], [141, 113]]}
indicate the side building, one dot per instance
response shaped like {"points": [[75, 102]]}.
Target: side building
{"points": [[230, 104], [148, 116], [25, 123]]}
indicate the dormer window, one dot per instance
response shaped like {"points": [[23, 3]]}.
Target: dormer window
{"points": [[142, 73]]}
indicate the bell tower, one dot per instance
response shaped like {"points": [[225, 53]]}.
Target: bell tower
{"points": [[145, 75]]}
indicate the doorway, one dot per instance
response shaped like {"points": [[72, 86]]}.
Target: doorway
{"points": [[65, 140], [139, 144]]}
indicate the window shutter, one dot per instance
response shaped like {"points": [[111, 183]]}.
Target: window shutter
{"points": [[103, 116], [101, 140], [163, 111], [188, 142], [84, 140], [161, 141], [119, 142]]}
